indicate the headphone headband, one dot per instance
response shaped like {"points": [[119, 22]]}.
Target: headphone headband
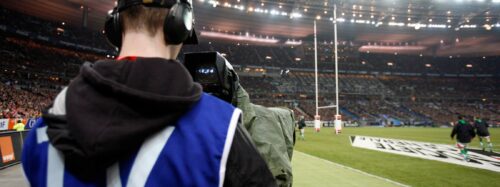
{"points": [[124, 4]]}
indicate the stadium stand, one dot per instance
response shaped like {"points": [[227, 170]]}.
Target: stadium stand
{"points": [[39, 57]]}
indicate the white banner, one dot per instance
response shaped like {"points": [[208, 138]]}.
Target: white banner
{"points": [[4, 124], [431, 151]]}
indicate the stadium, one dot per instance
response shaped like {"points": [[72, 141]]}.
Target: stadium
{"points": [[379, 85]]}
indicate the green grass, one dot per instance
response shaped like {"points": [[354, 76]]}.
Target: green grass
{"points": [[407, 170], [309, 171]]}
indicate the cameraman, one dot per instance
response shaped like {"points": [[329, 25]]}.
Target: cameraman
{"points": [[271, 129], [140, 120]]}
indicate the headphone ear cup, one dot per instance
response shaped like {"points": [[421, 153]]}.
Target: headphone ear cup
{"points": [[112, 29], [178, 23]]}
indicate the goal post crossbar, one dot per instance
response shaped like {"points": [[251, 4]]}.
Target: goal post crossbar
{"points": [[329, 106]]}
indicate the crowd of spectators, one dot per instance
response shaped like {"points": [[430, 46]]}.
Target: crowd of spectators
{"points": [[16, 102], [31, 64], [430, 64], [410, 100], [285, 57], [57, 30], [438, 87], [281, 56], [31, 72], [303, 82], [258, 84]]}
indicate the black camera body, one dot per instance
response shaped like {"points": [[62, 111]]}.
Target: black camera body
{"points": [[214, 73]]}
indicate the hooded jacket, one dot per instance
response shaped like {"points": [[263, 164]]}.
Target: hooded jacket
{"points": [[111, 107]]}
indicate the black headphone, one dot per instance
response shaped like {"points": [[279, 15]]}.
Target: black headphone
{"points": [[177, 28]]}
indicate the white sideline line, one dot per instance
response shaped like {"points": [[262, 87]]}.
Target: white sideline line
{"points": [[355, 170]]}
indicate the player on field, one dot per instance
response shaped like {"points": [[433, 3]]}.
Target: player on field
{"points": [[302, 125], [465, 133], [481, 127]]}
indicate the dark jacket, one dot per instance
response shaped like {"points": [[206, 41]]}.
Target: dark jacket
{"points": [[105, 103], [302, 123], [464, 131], [481, 128]]}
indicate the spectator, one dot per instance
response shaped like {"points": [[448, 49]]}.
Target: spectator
{"points": [[19, 126]]}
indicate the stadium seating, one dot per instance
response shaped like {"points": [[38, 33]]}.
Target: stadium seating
{"points": [[33, 70]]}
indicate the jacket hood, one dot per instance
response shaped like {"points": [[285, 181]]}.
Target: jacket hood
{"points": [[111, 107]]}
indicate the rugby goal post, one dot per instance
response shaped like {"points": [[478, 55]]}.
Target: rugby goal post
{"points": [[338, 117]]}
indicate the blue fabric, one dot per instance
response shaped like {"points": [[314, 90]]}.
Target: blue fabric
{"points": [[34, 158], [31, 123], [125, 167], [191, 157], [191, 130]]}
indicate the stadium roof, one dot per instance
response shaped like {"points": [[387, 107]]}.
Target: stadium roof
{"points": [[441, 27]]}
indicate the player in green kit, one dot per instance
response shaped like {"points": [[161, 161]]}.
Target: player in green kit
{"points": [[465, 133], [481, 127]]}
